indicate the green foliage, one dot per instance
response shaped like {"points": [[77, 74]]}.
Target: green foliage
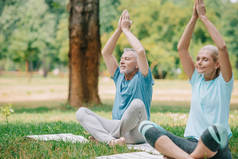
{"points": [[29, 31], [108, 13], [230, 24], [159, 25], [6, 111], [36, 32]]}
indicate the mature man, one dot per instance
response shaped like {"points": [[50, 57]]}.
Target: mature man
{"points": [[133, 80]]}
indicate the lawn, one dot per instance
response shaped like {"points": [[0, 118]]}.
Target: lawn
{"points": [[48, 114]]}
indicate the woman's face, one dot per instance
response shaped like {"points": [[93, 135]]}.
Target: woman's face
{"points": [[205, 63]]}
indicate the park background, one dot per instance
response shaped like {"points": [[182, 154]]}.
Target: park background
{"points": [[34, 63]]}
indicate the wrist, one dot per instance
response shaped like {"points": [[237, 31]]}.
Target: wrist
{"points": [[118, 30], [203, 17], [194, 18], [125, 30]]}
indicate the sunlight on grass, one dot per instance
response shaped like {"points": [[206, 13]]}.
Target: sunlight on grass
{"points": [[162, 118], [40, 109], [18, 89]]}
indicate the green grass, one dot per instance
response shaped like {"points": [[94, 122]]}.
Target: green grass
{"points": [[39, 105], [13, 144], [40, 120]]}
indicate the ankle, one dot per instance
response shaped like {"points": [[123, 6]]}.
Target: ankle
{"points": [[121, 141]]}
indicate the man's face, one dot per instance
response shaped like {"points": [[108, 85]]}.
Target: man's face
{"points": [[128, 62]]}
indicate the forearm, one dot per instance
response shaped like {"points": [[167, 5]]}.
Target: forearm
{"points": [[111, 43], [141, 56], [187, 35], [215, 35], [135, 43]]}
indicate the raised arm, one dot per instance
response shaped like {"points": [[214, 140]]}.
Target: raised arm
{"points": [[223, 56], [108, 49], [135, 43], [184, 43]]}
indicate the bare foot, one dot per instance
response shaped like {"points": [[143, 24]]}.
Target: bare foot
{"points": [[121, 141], [91, 138]]}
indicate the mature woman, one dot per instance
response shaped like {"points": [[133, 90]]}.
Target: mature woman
{"points": [[207, 130]]}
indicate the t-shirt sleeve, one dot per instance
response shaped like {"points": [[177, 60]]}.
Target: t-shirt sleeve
{"points": [[229, 83], [194, 78], [148, 78], [116, 75]]}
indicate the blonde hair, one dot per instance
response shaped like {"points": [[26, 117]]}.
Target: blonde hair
{"points": [[213, 50]]}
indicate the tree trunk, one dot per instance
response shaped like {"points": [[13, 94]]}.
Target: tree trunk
{"points": [[84, 52]]}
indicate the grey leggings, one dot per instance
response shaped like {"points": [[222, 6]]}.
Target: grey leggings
{"points": [[104, 130]]}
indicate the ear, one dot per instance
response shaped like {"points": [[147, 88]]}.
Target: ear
{"points": [[137, 66], [217, 65]]}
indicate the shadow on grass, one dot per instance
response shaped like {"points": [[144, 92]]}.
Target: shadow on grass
{"points": [[156, 106], [60, 108], [99, 108], [33, 110]]}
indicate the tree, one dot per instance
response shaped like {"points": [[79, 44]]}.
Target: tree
{"points": [[28, 34], [84, 52]]}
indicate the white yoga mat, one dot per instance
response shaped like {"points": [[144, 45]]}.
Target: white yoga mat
{"points": [[133, 155], [144, 147], [59, 137]]}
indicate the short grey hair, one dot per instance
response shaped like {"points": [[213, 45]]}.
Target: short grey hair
{"points": [[130, 50]]}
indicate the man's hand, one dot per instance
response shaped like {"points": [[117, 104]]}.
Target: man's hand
{"points": [[201, 10], [126, 22], [195, 13], [120, 20]]}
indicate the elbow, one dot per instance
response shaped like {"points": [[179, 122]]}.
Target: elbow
{"points": [[222, 47], [103, 52], [180, 48], [140, 51]]}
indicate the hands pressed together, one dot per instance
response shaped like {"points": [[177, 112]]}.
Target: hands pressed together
{"points": [[124, 23], [199, 9]]}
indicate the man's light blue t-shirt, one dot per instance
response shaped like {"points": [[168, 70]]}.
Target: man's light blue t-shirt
{"points": [[126, 90], [209, 105]]}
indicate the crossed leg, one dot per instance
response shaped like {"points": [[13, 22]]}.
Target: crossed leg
{"points": [[212, 144], [114, 131]]}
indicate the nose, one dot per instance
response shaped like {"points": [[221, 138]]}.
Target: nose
{"points": [[199, 62], [122, 61]]}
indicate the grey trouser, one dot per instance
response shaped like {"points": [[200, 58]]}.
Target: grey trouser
{"points": [[105, 130]]}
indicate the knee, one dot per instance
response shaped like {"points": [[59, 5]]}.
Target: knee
{"points": [[80, 114], [215, 137], [144, 126], [138, 103], [151, 132]]}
